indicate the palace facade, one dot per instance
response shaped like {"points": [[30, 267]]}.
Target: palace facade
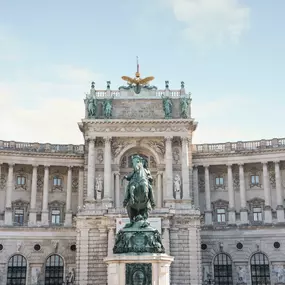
{"points": [[219, 207]]}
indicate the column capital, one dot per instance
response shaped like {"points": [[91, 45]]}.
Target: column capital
{"points": [[35, 165], [46, 166], [276, 161], [195, 166], [229, 165], [185, 139], [159, 172], [69, 167], [168, 138], [107, 139], [206, 166], [241, 164], [264, 163], [11, 164], [91, 140], [81, 168], [117, 173]]}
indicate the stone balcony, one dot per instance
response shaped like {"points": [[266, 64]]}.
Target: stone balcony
{"points": [[239, 147]]}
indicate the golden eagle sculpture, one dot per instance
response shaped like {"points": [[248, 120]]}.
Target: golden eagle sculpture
{"points": [[137, 82]]}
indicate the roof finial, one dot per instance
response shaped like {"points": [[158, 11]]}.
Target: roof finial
{"points": [[138, 68]]}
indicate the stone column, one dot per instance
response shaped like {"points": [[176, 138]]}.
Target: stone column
{"points": [[117, 189], [9, 191], [279, 196], [107, 171], [80, 186], [231, 210], [159, 189], [166, 235], [45, 212], [68, 211], [267, 196], [208, 210], [33, 210], [196, 186], [91, 171], [185, 168], [243, 208], [168, 168], [111, 240]]}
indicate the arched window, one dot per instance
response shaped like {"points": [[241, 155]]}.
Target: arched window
{"points": [[54, 270], [223, 274], [17, 270], [259, 266]]}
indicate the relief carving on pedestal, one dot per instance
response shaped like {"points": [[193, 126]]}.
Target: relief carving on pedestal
{"points": [[279, 272], [241, 275]]}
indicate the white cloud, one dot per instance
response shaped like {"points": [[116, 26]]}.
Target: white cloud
{"points": [[212, 21]]}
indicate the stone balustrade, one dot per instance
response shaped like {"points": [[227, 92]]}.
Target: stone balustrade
{"points": [[158, 93], [41, 147], [241, 146]]}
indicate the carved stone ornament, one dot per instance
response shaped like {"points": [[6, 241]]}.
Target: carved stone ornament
{"points": [[138, 274], [19, 246], [236, 181], [100, 156], [176, 155], [132, 240], [74, 184], [40, 183], [54, 244], [201, 184], [157, 146], [117, 146], [3, 182], [256, 203], [21, 177]]}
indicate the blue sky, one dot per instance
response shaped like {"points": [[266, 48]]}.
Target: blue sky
{"points": [[230, 54]]}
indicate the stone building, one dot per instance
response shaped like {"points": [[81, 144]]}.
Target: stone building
{"points": [[219, 207]]}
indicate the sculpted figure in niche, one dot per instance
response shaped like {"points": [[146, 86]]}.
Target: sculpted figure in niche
{"points": [[99, 185], [138, 278], [70, 278], [241, 271], [107, 107], [177, 186], [280, 273]]}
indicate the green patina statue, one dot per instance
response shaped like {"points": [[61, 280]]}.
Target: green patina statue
{"points": [[91, 106], [138, 236], [107, 108], [184, 106], [167, 107], [139, 198]]}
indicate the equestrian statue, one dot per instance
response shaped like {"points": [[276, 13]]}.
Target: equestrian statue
{"points": [[139, 198]]}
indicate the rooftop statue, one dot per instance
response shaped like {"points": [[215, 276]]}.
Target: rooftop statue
{"points": [[167, 107], [107, 108], [137, 83], [91, 106], [184, 106]]}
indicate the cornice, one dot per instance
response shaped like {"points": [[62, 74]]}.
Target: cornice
{"points": [[46, 155]]}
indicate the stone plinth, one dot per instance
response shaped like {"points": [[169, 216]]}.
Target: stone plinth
{"points": [[146, 269]]}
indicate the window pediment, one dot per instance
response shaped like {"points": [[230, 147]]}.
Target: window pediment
{"points": [[220, 204]]}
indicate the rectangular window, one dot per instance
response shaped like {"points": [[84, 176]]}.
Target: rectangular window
{"points": [[254, 179], [55, 217], [219, 181], [257, 214], [21, 180], [57, 181], [19, 217], [221, 215]]}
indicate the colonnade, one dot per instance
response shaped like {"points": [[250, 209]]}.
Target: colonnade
{"points": [[8, 216], [242, 194]]}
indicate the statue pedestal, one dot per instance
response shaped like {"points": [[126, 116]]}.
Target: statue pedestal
{"points": [[133, 269]]}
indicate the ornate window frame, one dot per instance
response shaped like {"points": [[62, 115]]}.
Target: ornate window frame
{"points": [[218, 205], [257, 183], [57, 205], [20, 173], [20, 205], [57, 187], [255, 203]]}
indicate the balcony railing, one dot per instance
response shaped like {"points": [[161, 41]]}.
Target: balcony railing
{"points": [[41, 147], [241, 146]]}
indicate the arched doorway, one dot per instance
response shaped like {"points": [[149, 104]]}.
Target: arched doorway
{"points": [[54, 270], [223, 273], [259, 267], [17, 270]]}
